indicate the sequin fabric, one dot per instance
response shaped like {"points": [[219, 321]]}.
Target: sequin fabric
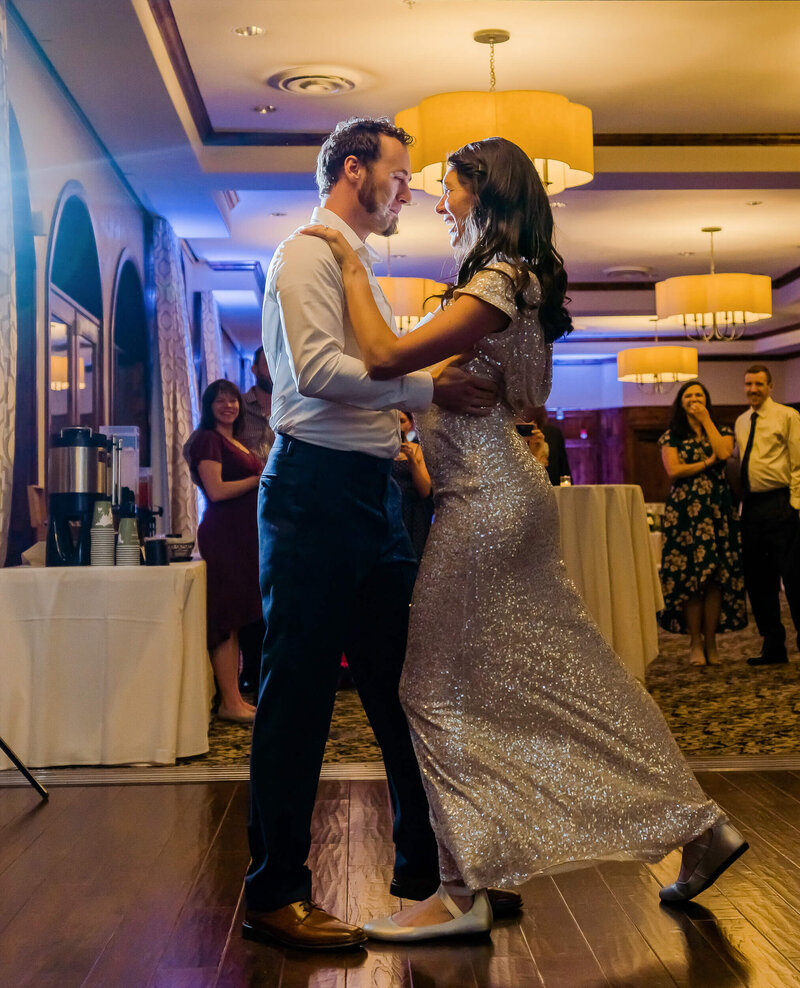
{"points": [[537, 748]]}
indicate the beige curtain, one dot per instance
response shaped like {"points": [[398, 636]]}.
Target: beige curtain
{"points": [[177, 376], [8, 305], [212, 339]]}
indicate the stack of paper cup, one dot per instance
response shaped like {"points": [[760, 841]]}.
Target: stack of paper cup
{"points": [[102, 535], [129, 552]]}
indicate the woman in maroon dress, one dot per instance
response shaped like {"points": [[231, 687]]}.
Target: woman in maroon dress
{"points": [[228, 474]]}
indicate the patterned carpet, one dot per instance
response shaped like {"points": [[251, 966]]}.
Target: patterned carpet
{"points": [[730, 709]]}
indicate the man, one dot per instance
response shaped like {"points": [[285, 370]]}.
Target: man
{"points": [[768, 437], [256, 433], [337, 568]]}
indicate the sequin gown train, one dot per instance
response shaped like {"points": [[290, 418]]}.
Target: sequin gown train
{"points": [[537, 748]]}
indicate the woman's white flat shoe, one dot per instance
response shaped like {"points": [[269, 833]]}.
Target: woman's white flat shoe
{"points": [[478, 920], [727, 844]]}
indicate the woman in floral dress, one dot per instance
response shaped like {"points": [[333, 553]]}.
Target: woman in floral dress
{"points": [[701, 568]]}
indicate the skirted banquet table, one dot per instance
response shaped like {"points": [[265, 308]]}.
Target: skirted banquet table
{"points": [[104, 665], [605, 540]]}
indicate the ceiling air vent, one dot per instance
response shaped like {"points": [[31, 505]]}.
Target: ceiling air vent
{"points": [[629, 272], [315, 80]]}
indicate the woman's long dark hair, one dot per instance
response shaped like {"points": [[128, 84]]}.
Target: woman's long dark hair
{"points": [[679, 427], [207, 420], [511, 221]]}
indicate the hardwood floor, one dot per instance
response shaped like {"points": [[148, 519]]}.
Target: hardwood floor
{"points": [[127, 886]]}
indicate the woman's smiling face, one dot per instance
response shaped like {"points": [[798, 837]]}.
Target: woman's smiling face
{"points": [[455, 205]]}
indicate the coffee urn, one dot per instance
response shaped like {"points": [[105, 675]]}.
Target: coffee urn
{"points": [[80, 472]]}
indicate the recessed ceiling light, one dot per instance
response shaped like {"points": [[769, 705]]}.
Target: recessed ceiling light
{"points": [[755, 202], [249, 31], [686, 253], [557, 204], [277, 214], [267, 108]]}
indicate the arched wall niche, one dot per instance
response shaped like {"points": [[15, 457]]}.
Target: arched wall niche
{"points": [[132, 361], [74, 317]]}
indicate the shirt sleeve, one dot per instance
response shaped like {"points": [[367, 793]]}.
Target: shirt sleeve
{"points": [[310, 295], [665, 439], [793, 444]]}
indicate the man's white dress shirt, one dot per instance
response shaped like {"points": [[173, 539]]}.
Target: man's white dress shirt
{"points": [[775, 457], [321, 391]]}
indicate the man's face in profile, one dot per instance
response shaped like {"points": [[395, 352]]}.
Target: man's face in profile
{"points": [[385, 190]]}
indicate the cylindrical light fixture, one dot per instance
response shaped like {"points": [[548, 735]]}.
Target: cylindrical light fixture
{"points": [[714, 306], [555, 133], [657, 365], [410, 299], [705, 300]]}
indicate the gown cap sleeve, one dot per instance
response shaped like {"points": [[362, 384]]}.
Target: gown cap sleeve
{"points": [[493, 285]]}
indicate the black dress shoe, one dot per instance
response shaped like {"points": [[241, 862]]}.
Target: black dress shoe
{"points": [[503, 901], [770, 659]]}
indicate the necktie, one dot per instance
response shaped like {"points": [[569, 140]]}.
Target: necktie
{"points": [[747, 451]]}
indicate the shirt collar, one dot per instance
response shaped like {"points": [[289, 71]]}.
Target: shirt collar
{"points": [[328, 218], [766, 406]]}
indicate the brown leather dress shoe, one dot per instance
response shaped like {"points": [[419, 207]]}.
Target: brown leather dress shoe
{"points": [[304, 925]]}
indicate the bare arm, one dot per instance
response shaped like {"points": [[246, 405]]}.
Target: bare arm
{"points": [[217, 489], [722, 445], [419, 472], [450, 331], [676, 469]]}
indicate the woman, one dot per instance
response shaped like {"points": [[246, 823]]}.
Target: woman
{"points": [[414, 481], [701, 569], [228, 474], [537, 749]]}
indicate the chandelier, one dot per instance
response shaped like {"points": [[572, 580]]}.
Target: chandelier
{"points": [[713, 306], [410, 298], [555, 133], [657, 365]]}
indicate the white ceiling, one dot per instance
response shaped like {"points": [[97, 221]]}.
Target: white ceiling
{"points": [[691, 67]]}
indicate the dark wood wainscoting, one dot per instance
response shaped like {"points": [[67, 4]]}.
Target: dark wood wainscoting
{"points": [[620, 445]]}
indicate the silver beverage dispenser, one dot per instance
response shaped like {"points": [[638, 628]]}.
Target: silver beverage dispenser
{"points": [[80, 472]]}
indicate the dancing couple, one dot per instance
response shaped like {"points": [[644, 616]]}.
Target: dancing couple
{"points": [[519, 744]]}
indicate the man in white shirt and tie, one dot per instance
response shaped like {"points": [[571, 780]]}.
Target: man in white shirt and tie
{"points": [[337, 568], [768, 438]]}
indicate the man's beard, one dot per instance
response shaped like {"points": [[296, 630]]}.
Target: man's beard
{"points": [[369, 201], [264, 384]]}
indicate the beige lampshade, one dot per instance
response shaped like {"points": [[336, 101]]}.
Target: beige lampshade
{"points": [[657, 364], [407, 296], [714, 299], [555, 133]]}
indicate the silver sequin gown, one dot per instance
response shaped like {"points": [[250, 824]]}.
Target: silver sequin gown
{"points": [[537, 748]]}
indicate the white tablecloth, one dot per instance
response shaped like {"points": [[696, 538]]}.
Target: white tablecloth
{"points": [[104, 666], [605, 540]]}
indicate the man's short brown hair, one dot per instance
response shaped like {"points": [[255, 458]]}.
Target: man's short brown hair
{"points": [[760, 369], [358, 136]]}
